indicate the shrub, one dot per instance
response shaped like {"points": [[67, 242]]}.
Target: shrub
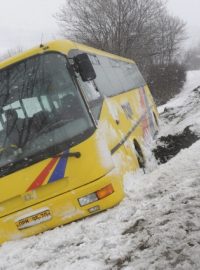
{"points": [[165, 81]]}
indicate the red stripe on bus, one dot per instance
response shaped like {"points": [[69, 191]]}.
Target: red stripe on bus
{"points": [[42, 176]]}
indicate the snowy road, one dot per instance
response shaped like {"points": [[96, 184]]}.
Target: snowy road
{"points": [[157, 226]]}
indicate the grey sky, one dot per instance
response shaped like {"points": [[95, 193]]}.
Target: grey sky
{"points": [[24, 22], [189, 11]]}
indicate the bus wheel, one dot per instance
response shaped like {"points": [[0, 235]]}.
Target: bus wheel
{"points": [[140, 156], [156, 120]]}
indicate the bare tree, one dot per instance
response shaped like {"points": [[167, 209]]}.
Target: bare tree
{"points": [[139, 29], [171, 33]]}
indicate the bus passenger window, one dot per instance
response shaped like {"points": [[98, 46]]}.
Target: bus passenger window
{"points": [[93, 96], [90, 91]]}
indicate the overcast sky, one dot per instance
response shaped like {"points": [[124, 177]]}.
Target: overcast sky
{"points": [[23, 23], [189, 11]]}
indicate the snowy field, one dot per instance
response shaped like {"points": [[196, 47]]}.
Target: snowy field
{"points": [[157, 226]]}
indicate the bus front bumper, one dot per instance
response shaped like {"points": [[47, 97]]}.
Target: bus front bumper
{"points": [[64, 208]]}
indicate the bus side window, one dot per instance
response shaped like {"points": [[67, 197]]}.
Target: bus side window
{"points": [[90, 91], [92, 95]]}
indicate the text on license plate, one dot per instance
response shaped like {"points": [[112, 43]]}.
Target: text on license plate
{"points": [[33, 218]]}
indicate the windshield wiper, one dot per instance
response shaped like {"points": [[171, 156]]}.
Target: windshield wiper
{"points": [[25, 162], [69, 154]]}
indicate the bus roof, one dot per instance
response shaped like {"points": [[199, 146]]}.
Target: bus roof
{"points": [[63, 46]]}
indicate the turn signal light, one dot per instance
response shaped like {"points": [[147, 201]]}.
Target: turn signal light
{"points": [[104, 192]]}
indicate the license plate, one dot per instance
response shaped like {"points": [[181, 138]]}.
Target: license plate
{"points": [[33, 218]]}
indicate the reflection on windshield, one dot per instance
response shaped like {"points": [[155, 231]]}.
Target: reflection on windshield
{"points": [[40, 108]]}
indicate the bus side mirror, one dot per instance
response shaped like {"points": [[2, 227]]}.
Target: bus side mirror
{"points": [[84, 67]]}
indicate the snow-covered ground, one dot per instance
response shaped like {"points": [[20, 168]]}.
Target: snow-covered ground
{"points": [[184, 109], [157, 226]]}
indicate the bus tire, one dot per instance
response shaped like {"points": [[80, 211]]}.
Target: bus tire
{"points": [[156, 120], [139, 155]]}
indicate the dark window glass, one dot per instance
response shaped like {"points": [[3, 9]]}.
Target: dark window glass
{"points": [[136, 77], [103, 81], [40, 108], [92, 96], [114, 76]]}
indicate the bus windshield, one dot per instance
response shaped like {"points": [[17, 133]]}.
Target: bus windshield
{"points": [[42, 111]]}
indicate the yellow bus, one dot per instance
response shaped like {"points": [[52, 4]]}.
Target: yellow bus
{"points": [[73, 120]]}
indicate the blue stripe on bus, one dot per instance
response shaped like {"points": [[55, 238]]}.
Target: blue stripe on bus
{"points": [[59, 171]]}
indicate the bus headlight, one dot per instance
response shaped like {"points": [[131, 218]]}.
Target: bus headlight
{"points": [[92, 197], [95, 196]]}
